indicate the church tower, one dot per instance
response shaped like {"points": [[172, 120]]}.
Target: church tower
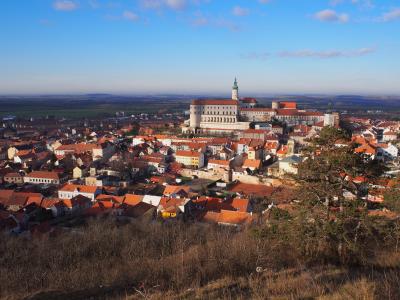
{"points": [[235, 91]]}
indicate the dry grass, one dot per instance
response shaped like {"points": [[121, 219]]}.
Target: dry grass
{"points": [[183, 261], [324, 284]]}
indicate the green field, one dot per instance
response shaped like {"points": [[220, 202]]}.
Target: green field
{"points": [[85, 108]]}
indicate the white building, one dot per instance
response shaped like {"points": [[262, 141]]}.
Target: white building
{"points": [[388, 151], [70, 191], [44, 177], [228, 116], [218, 116], [389, 136], [289, 165]]}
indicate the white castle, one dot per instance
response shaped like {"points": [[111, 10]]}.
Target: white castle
{"points": [[236, 114]]}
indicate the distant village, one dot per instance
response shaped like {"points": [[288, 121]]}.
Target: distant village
{"points": [[214, 167]]}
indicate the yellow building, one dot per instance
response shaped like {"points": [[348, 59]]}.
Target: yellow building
{"points": [[190, 158], [77, 173]]}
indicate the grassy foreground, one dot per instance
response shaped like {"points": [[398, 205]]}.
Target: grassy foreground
{"points": [[106, 260]]}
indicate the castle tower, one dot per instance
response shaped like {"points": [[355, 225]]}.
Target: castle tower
{"points": [[235, 91], [291, 147]]}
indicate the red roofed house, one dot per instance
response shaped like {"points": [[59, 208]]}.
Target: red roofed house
{"points": [[13, 177], [248, 102], [389, 136], [215, 164], [173, 207], [287, 105], [252, 164], [228, 217], [45, 177], [257, 190], [70, 191], [14, 201], [366, 149], [76, 204], [74, 149], [132, 200], [177, 191]]}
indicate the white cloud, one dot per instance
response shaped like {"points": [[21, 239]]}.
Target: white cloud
{"points": [[327, 54], [65, 5], [176, 4], [130, 16], [240, 11], [158, 4], [256, 56], [307, 53], [361, 3], [200, 20], [329, 15], [392, 15]]}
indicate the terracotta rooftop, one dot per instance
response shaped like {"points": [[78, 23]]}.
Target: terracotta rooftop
{"points": [[287, 104], [252, 189], [81, 188], [252, 163], [258, 109], [219, 162], [44, 174], [214, 102], [81, 147], [248, 100], [132, 200], [173, 189], [187, 153]]}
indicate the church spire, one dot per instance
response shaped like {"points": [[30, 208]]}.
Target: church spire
{"points": [[235, 90], [235, 84]]}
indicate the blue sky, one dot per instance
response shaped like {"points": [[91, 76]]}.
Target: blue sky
{"points": [[199, 46]]}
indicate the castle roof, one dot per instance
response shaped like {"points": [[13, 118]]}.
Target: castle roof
{"points": [[214, 102], [257, 109], [248, 100]]}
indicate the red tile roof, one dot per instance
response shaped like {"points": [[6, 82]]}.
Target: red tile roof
{"points": [[132, 200], [258, 109], [111, 198], [240, 204], [252, 163], [48, 203], [187, 153], [219, 162], [214, 102], [288, 105], [248, 100], [81, 188], [44, 174], [78, 148], [227, 217], [252, 189], [173, 189], [287, 112]]}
